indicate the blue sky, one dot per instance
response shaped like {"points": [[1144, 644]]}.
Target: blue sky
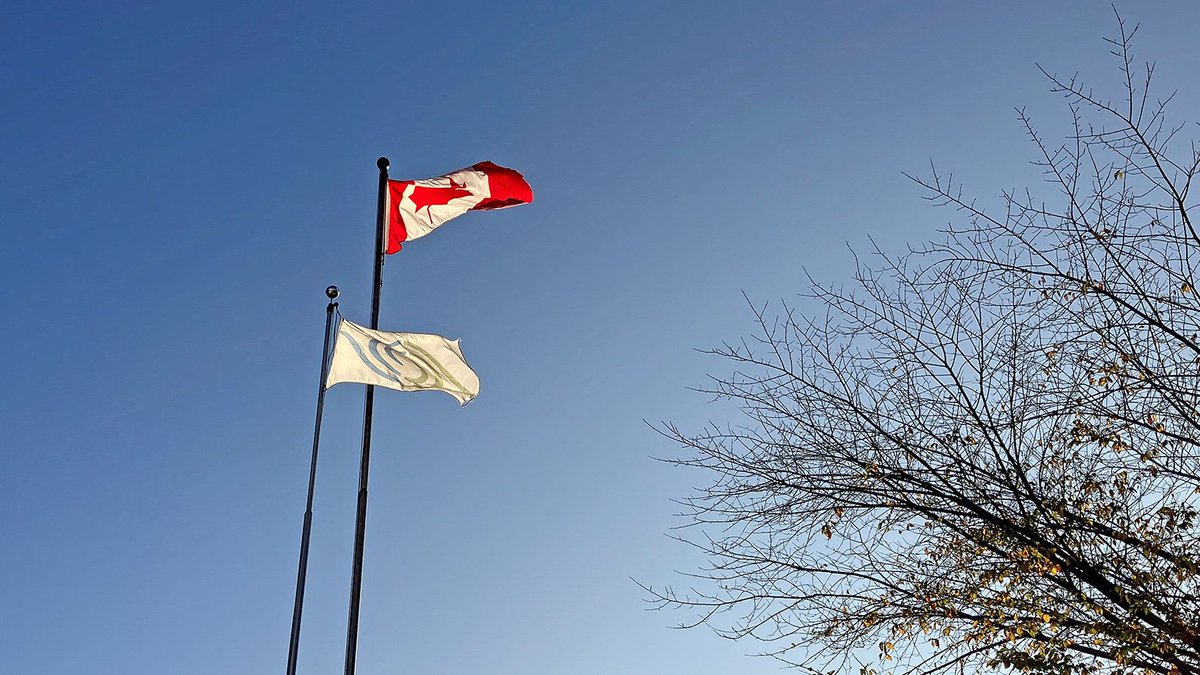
{"points": [[182, 180]]}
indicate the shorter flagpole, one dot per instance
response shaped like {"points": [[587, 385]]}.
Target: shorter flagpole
{"points": [[302, 571]]}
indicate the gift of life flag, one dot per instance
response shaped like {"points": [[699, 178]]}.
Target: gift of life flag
{"points": [[401, 361], [417, 207]]}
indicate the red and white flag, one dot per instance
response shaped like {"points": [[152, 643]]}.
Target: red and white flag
{"points": [[416, 207]]}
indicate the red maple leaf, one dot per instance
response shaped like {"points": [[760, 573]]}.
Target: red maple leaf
{"points": [[424, 197]]}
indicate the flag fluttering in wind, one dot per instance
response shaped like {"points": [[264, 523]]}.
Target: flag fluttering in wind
{"points": [[403, 361], [416, 207]]}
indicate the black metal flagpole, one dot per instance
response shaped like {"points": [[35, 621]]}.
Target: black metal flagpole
{"points": [[360, 520], [302, 572]]}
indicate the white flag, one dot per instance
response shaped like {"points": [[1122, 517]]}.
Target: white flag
{"points": [[404, 361]]}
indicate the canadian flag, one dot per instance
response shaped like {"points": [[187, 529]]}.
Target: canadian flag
{"points": [[416, 207]]}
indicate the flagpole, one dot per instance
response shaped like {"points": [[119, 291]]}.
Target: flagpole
{"points": [[302, 572], [360, 520]]}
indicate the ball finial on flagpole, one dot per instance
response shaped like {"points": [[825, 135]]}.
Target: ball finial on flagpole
{"points": [[332, 292], [383, 163]]}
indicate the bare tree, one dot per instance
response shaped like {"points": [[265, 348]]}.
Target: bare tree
{"points": [[983, 452]]}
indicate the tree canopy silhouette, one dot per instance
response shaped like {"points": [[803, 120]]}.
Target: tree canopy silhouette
{"points": [[983, 452]]}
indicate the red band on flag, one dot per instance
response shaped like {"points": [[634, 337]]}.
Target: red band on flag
{"points": [[508, 187], [396, 230]]}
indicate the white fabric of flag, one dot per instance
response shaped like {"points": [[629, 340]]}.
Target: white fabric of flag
{"points": [[403, 361]]}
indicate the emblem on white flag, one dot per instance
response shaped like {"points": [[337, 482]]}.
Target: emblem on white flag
{"points": [[402, 361]]}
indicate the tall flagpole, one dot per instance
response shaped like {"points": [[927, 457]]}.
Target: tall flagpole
{"points": [[302, 572], [360, 520]]}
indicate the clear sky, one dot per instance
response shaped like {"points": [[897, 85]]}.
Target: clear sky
{"points": [[182, 180]]}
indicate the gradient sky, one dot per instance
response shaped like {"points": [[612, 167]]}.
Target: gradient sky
{"points": [[182, 180]]}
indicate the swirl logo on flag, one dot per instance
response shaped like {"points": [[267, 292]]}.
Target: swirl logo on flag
{"points": [[403, 361]]}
